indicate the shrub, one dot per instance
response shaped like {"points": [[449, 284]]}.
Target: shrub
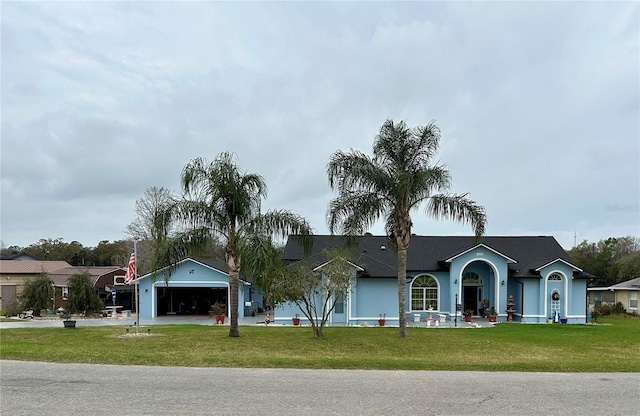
{"points": [[619, 309], [605, 310], [83, 296], [595, 315], [37, 294], [13, 309]]}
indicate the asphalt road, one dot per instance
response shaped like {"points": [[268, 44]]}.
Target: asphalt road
{"points": [[33, 388]]}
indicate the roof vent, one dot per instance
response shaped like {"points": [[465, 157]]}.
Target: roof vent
{"points": [[383, 248]]}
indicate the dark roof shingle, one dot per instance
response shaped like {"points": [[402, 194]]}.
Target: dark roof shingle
{"points": [[428, 253]]}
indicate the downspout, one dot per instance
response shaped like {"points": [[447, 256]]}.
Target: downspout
{"points": [[521, 300]]}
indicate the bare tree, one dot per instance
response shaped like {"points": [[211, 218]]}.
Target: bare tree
{"points": [[315, 290]]}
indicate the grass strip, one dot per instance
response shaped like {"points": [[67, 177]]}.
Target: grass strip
{"points": [[613, 346]]}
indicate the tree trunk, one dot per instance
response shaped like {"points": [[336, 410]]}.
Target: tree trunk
{"points": [[402, 291], [234, 280], [317, 331]]}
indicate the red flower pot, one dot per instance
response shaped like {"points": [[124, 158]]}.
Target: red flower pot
{"points": [[381, 322], [296, 321]]}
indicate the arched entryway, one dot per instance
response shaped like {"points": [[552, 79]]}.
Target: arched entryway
{"points": [[478, 286]]}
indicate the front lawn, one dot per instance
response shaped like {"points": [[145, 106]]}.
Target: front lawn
{"points": [[611, 346]]}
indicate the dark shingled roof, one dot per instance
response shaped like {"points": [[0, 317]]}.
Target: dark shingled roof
{"points": [[429, 253]]}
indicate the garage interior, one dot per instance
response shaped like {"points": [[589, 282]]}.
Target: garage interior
{"points": [[189, 300]]}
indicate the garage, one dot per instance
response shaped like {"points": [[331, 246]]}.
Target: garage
{"points": [[193, 285]]}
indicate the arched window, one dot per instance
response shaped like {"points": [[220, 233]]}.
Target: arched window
{"points": [[424, 293], [555, 276], [471, 278]]}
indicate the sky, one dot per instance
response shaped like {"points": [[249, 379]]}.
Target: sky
{"points": [[538, 104]]}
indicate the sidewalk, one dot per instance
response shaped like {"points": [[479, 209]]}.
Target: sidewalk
{"points": [[205, 320]]}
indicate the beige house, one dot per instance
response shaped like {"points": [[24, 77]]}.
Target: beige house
{"points": [[13, 274], [625, 292]]}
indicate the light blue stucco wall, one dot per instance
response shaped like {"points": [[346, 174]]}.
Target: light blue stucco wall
{"points": [[371, 297], [492, 267], [187, 274], [572, 293]]}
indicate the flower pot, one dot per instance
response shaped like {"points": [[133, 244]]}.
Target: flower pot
{"points": [[220, 319], [296, 321], [69, 324], [563, 321], [467, 318], [492, 318], [381, 322], [550, 320]]}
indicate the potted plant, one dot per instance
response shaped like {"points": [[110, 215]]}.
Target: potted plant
{"points": [[382, 319], [219, 310], [467, 315], [66, 319], [492, 315], [296, 320]]}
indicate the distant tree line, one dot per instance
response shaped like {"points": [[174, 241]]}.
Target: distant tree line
{"points": [[104, 254], [613, 260]]}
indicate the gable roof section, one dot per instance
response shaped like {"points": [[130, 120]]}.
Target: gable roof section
{"points": [[31, 266], [429, 253], [218, 265], [509, 259], [576, 268], [633, 284], [61, 276], [358, 268]]}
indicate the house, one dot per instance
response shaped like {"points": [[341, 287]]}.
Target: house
{"points": [[14, 273], [103, 278], [624, 292], [194, 285], [533, 276], [22, 256]]}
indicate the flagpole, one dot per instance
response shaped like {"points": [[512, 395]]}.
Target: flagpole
{"points": [[135, 282]]}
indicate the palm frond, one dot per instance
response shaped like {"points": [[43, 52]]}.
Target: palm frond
{"points": [[459, 209], [354, 212]]}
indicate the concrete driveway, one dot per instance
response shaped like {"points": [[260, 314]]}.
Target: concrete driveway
{"points": [[33, 388]]}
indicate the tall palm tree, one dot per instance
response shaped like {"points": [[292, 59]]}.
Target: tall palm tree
{"points": [[392, 184], [222, 204]]}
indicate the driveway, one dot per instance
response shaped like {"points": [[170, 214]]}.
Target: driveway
{"points": [[33, 388]]}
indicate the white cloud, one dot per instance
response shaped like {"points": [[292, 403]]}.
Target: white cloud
{"points": [[539, 106]]}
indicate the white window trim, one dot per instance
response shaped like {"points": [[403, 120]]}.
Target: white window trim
{"points": [[636, 299], [438, 299]]}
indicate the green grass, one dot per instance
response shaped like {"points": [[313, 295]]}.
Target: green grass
{"points": [[612, 346]]}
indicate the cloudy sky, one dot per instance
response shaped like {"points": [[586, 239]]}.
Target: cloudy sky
{"points": [[538, 103]]}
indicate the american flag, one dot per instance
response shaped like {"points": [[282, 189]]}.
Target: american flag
{"points": [[131, 269]]}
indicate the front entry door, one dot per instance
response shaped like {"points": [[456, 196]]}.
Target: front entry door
{"points": [[339, 315], [470, 298]]}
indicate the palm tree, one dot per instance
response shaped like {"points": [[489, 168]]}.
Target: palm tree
{"points": [[392, 184], [222, 204]]}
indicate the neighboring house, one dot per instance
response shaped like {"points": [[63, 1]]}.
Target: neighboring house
{"points": [[21, 256], [103, 278], [624, 292], [13, 274], [194, 286], [443, 271]]}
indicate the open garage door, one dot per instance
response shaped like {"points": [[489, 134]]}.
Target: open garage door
{"points": [[189, 300]]}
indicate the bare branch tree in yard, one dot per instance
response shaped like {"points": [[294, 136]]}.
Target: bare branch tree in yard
{"points": [[315, 289], [152, 226]]}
